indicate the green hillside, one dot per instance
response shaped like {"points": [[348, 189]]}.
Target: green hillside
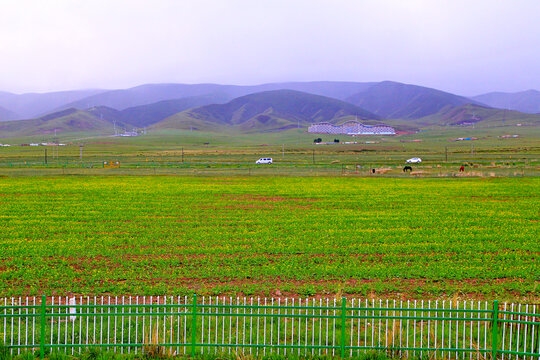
{"points": [[63, 122], [477, 116], [266, 111], [145, 115]]}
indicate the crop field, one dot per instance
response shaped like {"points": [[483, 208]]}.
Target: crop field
{"points": [[474, 238]]}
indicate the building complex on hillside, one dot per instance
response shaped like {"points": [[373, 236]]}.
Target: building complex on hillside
{"points": [[351, 128]]}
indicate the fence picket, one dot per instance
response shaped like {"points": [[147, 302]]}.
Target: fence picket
{"points": [[292, 326], [532, 330], [485, 328], [373, 325], [380, 321], [334, 330]]}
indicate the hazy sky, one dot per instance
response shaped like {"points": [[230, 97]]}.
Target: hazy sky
{"points": [[462, 46]]}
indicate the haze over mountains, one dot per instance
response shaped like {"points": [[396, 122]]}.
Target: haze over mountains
{"points": [[266, 107], [6, 114], [392, 100], [524, 101], [32, 105]]}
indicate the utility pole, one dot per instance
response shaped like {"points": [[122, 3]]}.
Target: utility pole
{"points": [[81, 148], [446, 154], [45, 156], [283, 151], [182, 155], [472, 149], [314, 156]]}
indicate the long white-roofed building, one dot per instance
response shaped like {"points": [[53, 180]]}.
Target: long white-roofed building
{"points": [[351, 128]]}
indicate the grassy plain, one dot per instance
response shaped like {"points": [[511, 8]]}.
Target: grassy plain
{"points": [[389, 237], [198, 153]]}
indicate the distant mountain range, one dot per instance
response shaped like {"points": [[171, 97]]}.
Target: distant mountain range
{"points": [[33, 105], [6, 115], [525, 101], [392, 100], [266, 107]]}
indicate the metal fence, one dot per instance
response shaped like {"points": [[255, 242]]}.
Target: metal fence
{"points": [[255, 326]]}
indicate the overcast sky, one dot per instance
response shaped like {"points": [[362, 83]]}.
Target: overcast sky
{"points": [[462, 46]]}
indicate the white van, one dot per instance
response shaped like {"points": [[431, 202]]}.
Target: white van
{"points": [[414, 160], [264, 161]]}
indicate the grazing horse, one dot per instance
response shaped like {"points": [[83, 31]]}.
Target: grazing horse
{"points": [[407, 168]]}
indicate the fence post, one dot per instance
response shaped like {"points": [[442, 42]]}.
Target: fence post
{"points": [[343, 324], [494, 329], [194, 326], [42, 328]]}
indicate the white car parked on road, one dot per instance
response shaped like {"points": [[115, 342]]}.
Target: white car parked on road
{"points": [[414, 160], [264, 161]]}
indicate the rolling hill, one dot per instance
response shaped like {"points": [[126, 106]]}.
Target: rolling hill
{"points": [[266, 111], [394, 100], [66, 121], [478, 116], [145, 115], [524, 101]]}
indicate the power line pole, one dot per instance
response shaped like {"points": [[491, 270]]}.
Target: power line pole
{"points": [[314, 156], [446, 154], [45, 156], [81, 148], [283, 151], [182, 155]]}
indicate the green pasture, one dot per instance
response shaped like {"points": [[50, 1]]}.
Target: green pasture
{"points": [[264, 235], [194, 153]]}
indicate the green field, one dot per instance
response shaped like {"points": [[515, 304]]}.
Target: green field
{"points": [[384, 237]]}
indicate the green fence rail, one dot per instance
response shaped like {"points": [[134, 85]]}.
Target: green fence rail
{"points": [[216, 325]]}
